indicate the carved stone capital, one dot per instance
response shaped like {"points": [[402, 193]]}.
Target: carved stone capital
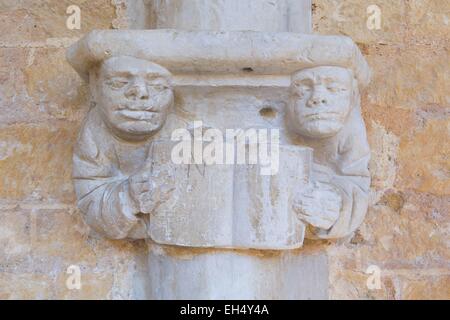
{"points": [[145, 84]]}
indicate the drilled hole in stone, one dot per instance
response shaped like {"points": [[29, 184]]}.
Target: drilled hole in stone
{"points": [[268, 112], [247, 69]]}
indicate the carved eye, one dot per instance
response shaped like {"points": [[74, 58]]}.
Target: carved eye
{"points": [[305, 88], [117, 83], [156, 82], [157, 86], [332, 88]]}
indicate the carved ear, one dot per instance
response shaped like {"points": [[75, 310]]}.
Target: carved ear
{"points": [[356, 97], [93, 83], [86, 148]]}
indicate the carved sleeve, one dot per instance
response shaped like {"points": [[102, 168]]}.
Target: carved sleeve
{"points": [[350, 175], [102, 192], [353, 184]]}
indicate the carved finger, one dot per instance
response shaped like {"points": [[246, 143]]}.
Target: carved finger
{"points": [[308, 212], [319, 223], [331, 205]]}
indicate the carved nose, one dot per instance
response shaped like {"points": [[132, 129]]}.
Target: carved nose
{"points": [[137, 91], [316, 101]]}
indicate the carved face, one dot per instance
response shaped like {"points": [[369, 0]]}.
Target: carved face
{"points": [[321, 100], [134, 96]]}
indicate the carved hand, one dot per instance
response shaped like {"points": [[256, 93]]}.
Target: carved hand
{"points": [[148, 190], [318, 205]]}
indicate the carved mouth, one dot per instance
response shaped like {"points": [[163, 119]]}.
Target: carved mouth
{"points": [[322, 116], [137, 114]]}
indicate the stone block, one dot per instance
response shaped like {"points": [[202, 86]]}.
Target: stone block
{"points": [[25, 22], [35, 162]]}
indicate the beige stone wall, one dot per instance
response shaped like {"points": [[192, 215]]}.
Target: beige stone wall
{"points": [[406, 108], [42, 102]]}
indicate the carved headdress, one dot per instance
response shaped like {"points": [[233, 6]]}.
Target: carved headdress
{"points": [[186, 52]]}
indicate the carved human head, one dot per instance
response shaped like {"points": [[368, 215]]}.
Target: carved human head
{"points": [[133, 95], [320, 101]]}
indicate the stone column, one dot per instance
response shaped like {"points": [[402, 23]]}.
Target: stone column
{"points": [[231, 15], [223, 231], [183, 273]]}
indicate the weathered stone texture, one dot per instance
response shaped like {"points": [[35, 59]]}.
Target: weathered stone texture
{"points": [[35, 162], [28, 21], [42, 102], [38, 244], [406, 109]]}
